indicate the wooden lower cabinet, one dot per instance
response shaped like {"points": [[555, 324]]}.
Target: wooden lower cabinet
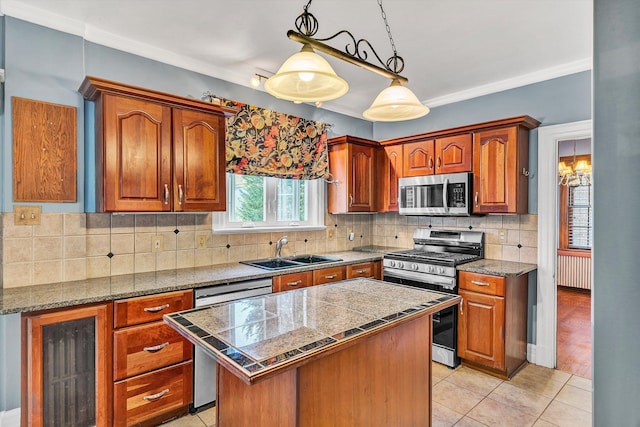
{"points": [[66, 367], [369, 270], [152, 363], [151, 398], [287, 282], [328, 275], [492, 323]]}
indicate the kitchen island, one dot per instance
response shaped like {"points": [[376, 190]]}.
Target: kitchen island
{"points": [[355, 352]]}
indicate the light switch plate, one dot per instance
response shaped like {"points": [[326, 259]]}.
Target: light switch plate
{"points": [[27, 215]]}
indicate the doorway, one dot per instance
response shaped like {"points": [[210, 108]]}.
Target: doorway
{"points": [[549, 137]]}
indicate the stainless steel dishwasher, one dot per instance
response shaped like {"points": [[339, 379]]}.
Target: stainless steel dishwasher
{"points": [[204, 375]]}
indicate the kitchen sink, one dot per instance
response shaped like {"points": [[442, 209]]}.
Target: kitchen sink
{"points": [[313, 259], [289, 262]]}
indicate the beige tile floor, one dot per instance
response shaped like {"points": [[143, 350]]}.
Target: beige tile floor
{"points": [[535, 396]]}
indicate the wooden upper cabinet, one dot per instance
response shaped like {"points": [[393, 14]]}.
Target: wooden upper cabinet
{"points": [[390, 173], [453, 153], [199, 153], [136, 151], [419, 158], [351, 163], [500, 169], [156, 152]]}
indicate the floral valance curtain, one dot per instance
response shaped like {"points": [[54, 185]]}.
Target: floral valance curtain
{"points": [[263, 142]]}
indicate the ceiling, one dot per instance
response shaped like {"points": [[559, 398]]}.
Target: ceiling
{"points": [[453, 49]]}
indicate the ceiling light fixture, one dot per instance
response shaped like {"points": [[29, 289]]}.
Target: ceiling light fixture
{"points": [[308, 77], [578, 173], [256, 80]]}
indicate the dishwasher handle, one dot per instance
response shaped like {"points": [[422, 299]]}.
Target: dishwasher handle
{"points": [[232, 291]]}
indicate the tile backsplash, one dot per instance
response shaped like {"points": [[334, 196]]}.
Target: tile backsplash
{"points": [[67, 247]]}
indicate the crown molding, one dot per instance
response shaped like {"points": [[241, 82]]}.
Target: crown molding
{"points": [[523, 80]]}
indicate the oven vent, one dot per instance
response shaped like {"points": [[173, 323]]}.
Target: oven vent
{"points": [[574, 271]]}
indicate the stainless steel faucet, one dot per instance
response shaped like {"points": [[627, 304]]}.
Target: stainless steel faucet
{"points": [[279, 244]]}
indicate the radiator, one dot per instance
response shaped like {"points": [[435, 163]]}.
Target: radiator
{"points": [[574, 271]]}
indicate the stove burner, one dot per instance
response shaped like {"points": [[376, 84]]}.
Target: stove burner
{"points": [[422, 255]]}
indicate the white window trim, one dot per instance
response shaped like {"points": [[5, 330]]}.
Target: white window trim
{"points": [[316, 209]]}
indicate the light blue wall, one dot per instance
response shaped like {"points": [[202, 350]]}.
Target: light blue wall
{"points": [[616, 157], [49, 65], [561, 100], [10, 362]]}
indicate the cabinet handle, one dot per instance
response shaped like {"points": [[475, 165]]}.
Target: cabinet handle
{"points": [[166, 194], [430, 162], [361, 271], [156, 309], [461, 309], [157, 395], [180, 194], [350, 200], [156, 347], [475, 282], [476, 199], [525, 172], [296, 283], [333, 276], [439, 162]]}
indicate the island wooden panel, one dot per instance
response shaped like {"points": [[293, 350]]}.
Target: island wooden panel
{"points": [[382, 379], [44, 151]]}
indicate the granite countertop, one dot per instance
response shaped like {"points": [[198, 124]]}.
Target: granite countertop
{"points": [[254, 337], [377, 249], [68, 294], [496, 267]]}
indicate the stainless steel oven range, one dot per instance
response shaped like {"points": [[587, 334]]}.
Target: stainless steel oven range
{"points": [[431, 264]]}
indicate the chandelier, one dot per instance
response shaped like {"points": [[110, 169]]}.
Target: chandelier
{"points": [[308, 77], [575, 174]]}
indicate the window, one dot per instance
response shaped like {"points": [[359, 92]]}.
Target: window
{"points": [[576, 216], [263, 204], [580, 217]]}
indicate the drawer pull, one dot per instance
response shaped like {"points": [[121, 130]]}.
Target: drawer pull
{"points": [[475, 282], [333, 276], [156, 347], [157, 395], [296, 283], [361, 271], [156, 309]]}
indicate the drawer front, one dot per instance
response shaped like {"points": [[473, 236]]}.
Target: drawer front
{"points": [[144, 397], [134, 311], [364, 269], [288, 282], [143, 348], [328, 275], [482, 283]]}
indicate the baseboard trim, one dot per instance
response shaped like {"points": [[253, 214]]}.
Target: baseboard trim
{"points": [[531, 353], [10, 418]]}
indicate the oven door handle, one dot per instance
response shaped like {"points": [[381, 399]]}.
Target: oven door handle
{"points": [[447, 283], [445, 196]]}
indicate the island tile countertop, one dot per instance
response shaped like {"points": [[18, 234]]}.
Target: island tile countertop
{"points": [[257, 336], [68, 294], [496, 267]]}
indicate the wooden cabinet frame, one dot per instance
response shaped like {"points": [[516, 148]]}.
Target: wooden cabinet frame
{"points": [[32, 367]]}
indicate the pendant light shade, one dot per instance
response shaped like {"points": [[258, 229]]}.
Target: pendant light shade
{"points": [[306, 77], [395, 103]]}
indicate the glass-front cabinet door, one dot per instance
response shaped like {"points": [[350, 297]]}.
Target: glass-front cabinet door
{"points": [[66, 374]]}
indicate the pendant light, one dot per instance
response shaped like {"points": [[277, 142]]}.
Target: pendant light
{"points": [[307, 77], [395, 103]]}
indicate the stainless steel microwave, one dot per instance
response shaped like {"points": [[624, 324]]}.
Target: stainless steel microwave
{"points": [[442, 195]]}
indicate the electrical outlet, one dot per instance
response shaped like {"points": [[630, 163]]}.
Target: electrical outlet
{"points": [[26, 215], [501, 235], [202, 241], [156, 243]]}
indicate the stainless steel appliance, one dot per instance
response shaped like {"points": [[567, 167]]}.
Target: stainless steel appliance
{"points": [[204, 375], [445, 194], [431, 264]]}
